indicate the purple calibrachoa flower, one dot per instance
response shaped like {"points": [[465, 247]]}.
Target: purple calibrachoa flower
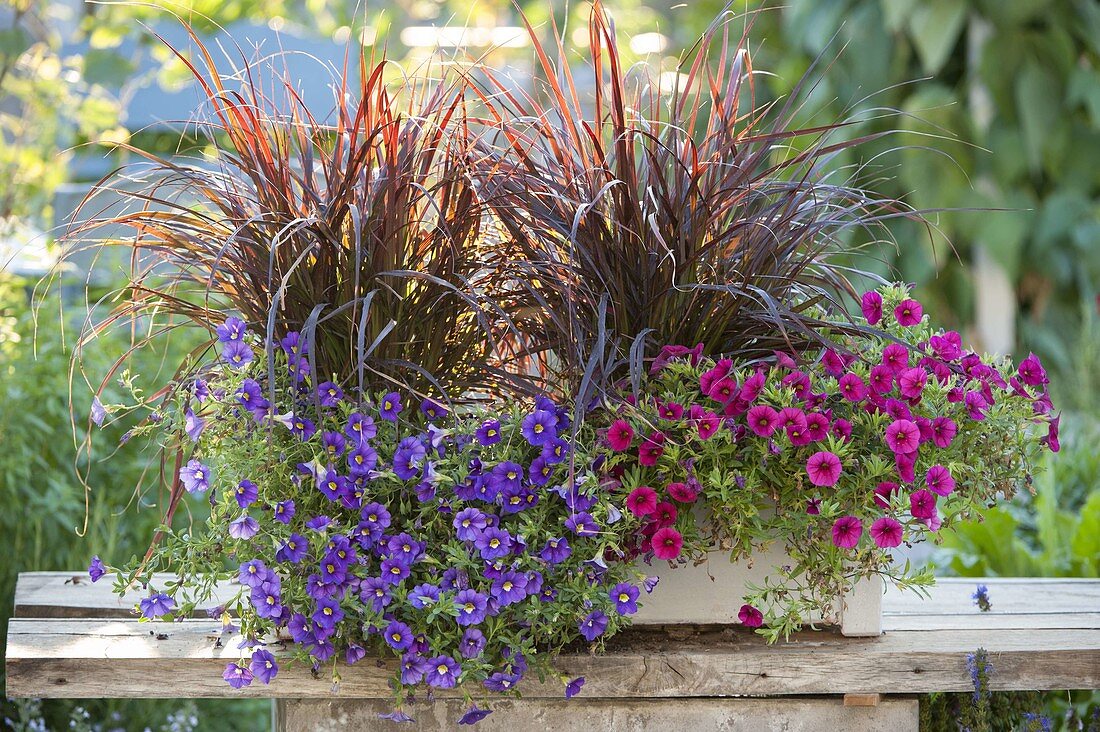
{"points": [[195, 477], [193, 425], [433, 410], [908, 313], [500, 681], [413, 668], [233, 329], [329, 394], [237, 354], [488, 433], [292, 550], [493, 543], [398, 636], [442, 672], [871, 305], [506, 478], [408, 457], [763, 420], [246, 493], [625, 597], [472, 607], [556, 551], [96, 569], [390, 406], [237, 676], [574, 687], [156, 605], [620, 435], [374, 592], [469, 523], [582, 524], [509, 588], [539, 427], [473, 643], [361, 428], [423, 596], [593, 625], [939, 480], [263, 666], [284, 511], [474, 715], [922, 504], [244, 527], [651, 449]]}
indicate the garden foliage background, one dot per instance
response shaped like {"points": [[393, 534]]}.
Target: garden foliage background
{"points": [[998, 100]]}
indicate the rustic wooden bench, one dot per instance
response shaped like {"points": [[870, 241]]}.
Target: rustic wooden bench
{"points": [[70, 638]]}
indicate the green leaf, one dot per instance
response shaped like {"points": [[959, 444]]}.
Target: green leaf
{"points": [[896, 13], [1086, 540], [1039, 106], [1084, 88], [107, 68], [934, 27]]}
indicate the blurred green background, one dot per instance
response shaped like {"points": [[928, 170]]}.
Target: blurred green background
{"points": [[996, 104]]}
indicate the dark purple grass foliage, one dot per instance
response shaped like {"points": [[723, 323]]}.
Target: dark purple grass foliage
{"points": [[662, 213]]}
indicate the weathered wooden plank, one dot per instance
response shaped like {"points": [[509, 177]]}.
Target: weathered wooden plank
{"points": [[977, 620], [1008, 595], [90, 658], [73, 595], [587, 714]]}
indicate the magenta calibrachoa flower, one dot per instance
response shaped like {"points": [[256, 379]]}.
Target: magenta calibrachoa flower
{"points": [[818, 448]]}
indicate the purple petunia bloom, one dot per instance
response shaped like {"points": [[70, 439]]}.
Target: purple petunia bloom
{"points": [[244, 527], [539, 427], [593, 625], [294, 345], [625, 597], [329, 394], [354, 654], [442, 672], [284, 511], [488, 433], [246, 493], [237, 676], [156, 605], [390, 406], [292, 550], [252, 573], [473, 643], [501, 682], [266, 599], [263, 666], [394, 571], [363, 460], [493, 543], [361, 427], [334, 444], [556, 551], [472, 607], [374, 592], [376, 515], [99, 412], [574, 687], [331, 484], [233, 329], [407, 458], [871, 305], [193, 425], [398, 636], [433, 410], [318, 523], [509, 588], [96, 569], [302, 427], [423, 595], [237, 354], [582, 524], [469, 523], [413, 668], [195, 477], [474, 715], [506, 478]]}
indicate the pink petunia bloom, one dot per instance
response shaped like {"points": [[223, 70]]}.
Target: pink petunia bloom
{"points": [[817, 426], [833, 363], [1031, 371], [753, 386], [947, 346], [906, 464], [852, 387], [792, 417], [813, 506], [709, 377], [846, 531], [723, 390], [784, 360], [824, 468], [798, 381], [933, 522], [642, 501], [651, 449], [707, 425], [895, 357], [682, 492], [911, 383], [763, 420], [922, 504], [884, 491], [886, 532], [943, 431], [1051, 439], [908, 312], [898, 409], [750, 617], [670, 411], [976, 404], [925, 426], [842, 428], [667, 543], [871, 305], [882, 379], [902, 436], [619, 435], [665, 514], [939, 480]]}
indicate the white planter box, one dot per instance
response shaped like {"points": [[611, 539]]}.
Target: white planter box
{"points": [[711, 594]]}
